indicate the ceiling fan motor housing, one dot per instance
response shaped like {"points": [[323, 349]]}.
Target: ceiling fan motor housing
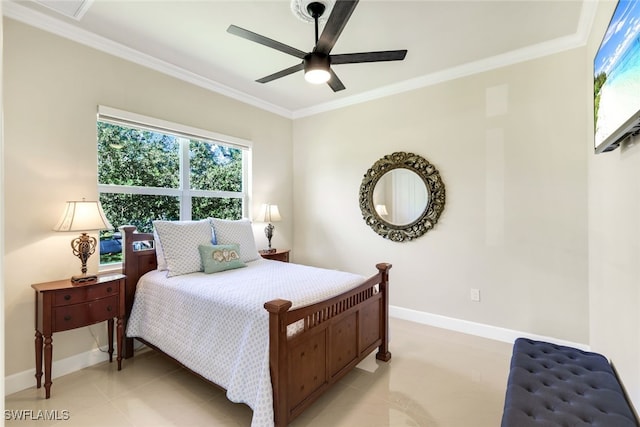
{"points": [[316, 67], [316, 61]]}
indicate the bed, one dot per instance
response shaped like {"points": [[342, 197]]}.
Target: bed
{"points": [[277, 356]]}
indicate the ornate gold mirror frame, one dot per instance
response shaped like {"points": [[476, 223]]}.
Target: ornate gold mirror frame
{"points": [[435, 197]]}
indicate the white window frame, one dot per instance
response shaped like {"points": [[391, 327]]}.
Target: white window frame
{"points": [[184, 133]]}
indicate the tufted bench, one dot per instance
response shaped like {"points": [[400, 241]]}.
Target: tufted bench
{"points": [[553, 385]]}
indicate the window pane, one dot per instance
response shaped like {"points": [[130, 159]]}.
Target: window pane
{"points": [[137, 165], [135, 157], [132, 209], [204, 207], [215, 167]]}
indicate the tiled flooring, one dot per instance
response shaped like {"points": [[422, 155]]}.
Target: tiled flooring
{"points": [[435, 378]]}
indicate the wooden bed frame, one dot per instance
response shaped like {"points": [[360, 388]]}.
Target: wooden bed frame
{"points": [[338, 333]]}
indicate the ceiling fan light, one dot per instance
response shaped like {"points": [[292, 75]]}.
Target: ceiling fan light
{"points": [[317, 76], [316, 68]]}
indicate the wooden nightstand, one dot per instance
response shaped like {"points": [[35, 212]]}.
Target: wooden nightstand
{"points": [[278, 255], [61, 306]]}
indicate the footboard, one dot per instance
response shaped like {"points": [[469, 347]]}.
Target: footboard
{"points": [[330, 338], [335, 336]]}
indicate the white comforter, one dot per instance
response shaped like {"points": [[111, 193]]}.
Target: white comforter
{"points": [[216, 325]]}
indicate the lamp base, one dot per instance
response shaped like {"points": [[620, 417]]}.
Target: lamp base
{"points": [[82, 279]]}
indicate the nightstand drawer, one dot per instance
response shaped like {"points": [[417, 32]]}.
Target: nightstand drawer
{"points": [[101, 291], [82, 294], [74, 316]]}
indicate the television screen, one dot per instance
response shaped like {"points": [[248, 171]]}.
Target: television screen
{"points": [[616, 78]]}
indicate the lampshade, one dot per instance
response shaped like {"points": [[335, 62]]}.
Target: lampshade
{"points": [[83, 216], [316, 68], [270, 213]]}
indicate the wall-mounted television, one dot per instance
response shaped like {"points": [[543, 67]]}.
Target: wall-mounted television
{"points": [[616, 79]]}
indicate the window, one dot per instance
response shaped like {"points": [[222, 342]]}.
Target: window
{"points": [[151, 169]]}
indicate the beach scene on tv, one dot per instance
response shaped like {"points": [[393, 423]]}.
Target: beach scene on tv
{"points": [[617, 71]]}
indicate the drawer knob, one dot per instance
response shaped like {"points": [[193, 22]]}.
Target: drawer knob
{"points": [[67, 317], [67, 297], [109, 308], [109, 289]]}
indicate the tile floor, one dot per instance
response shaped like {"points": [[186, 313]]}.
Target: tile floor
{"points": [[435, 378]]}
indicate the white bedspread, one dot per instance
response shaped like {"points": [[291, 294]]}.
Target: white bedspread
{"points": [[216, 325]]}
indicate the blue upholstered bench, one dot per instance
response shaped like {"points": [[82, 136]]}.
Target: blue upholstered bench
{"points": [[553, 385]]}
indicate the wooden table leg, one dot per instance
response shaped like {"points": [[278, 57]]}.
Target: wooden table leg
{"points": [[120, 334], [110, 338], [48, 353], [38, 359]]}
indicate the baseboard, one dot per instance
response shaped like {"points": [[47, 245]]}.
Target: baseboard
{"points": [[23, 380], [472, 328]]}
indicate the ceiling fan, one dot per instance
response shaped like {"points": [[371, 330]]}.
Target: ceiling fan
{"points": [[317, 63]]}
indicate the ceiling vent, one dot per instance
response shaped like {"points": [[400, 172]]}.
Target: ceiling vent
{"points": [[74, 9]]}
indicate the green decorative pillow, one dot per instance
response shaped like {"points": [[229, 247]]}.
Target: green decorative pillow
{"points": [[220, 257]]}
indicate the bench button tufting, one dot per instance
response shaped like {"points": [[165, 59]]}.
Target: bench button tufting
{"points": [[536, 398]]}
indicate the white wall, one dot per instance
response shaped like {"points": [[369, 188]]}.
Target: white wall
{"points": [[547, 230], [52, 89], [614, 241], [509, 145]]}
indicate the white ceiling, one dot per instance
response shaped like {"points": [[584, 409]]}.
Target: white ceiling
{"points": [[444, 39]]}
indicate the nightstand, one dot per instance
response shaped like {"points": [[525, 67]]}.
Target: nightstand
{"points": [[278, 255], [62, 305]]}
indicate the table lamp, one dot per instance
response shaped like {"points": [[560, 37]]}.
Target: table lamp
{"points": [[83, 216], [270, 213]]}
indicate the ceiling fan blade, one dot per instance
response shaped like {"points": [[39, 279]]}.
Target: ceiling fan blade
{"points": [[282, 73], [266, 41], [334, 82], [342, 10], [353, 58]]}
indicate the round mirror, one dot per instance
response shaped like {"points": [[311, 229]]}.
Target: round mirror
{"points": [[402, 196]]}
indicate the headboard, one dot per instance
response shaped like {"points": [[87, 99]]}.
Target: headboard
{"points": [[139, 257]]}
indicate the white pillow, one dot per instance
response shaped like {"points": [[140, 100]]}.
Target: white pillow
{"points": [[239, 231], [180, 241], [162, 263]]}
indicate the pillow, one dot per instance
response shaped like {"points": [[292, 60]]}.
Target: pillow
{"points": [[180, 241], [162, 262], [220, 257], [240, 232]]}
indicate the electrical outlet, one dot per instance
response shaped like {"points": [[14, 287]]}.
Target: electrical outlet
{"points": [[475, 295]]}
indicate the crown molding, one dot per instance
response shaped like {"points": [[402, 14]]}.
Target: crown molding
{"points": [[36, 19], [578, 39], [74, 9]]}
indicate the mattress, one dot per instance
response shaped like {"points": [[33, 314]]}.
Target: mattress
{"points": [[216, 324]]}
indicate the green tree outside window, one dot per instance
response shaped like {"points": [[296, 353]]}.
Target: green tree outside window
{"points": [[139, 179]]}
